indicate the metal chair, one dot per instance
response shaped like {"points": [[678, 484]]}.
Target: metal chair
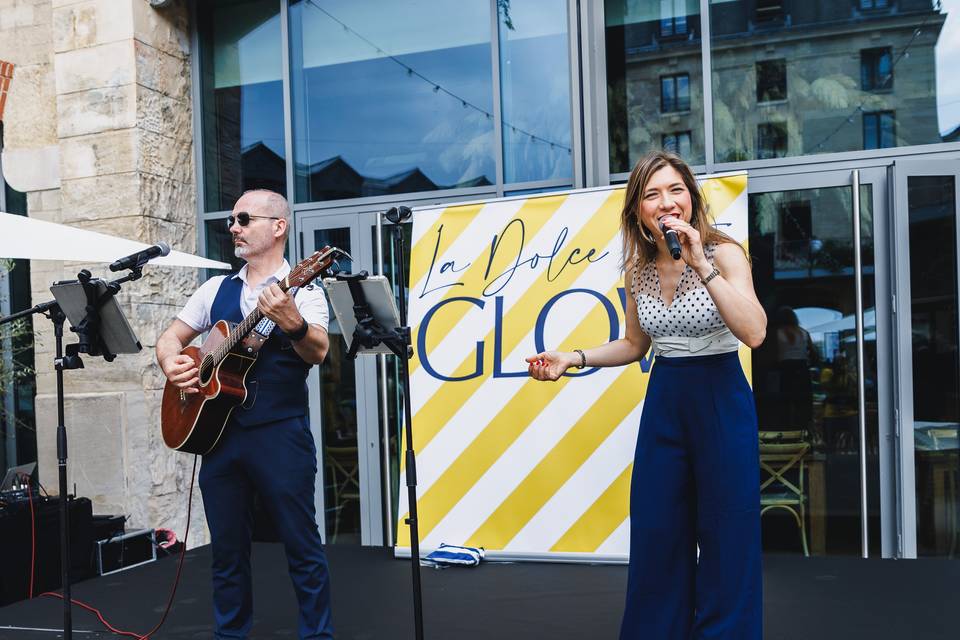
{"points": [[343, 469], [782, 467]]}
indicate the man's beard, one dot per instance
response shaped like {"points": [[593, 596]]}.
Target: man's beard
{"points": [[244, 249]]}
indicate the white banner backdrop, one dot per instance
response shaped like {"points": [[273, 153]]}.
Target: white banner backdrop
{"points": [[522, 468]]}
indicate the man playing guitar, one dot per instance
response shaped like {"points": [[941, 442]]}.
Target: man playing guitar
{"points": [[267, 446]]}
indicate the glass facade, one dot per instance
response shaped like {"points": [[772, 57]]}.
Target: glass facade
{"points": [[242, 100], [372, 114], [535, 97], [805, 373], [476, 100], [400, 104], [799, 77], [932, 205], [654, 79]]}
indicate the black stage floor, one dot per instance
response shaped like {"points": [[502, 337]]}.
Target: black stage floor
{"points": [[805, 598]]}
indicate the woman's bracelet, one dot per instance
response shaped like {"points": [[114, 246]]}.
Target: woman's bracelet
{"points": [[713, 274], [583, 359]]}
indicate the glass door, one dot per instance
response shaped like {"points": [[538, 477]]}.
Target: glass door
{"points": [[926, 195], [343, 402], [817, 375]]}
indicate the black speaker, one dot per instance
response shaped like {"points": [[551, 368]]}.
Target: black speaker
{"points": [[15, 541]]}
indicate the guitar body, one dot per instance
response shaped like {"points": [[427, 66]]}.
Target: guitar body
{"points": [[194, 422]]}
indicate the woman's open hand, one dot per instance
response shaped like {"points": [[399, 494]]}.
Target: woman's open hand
{"points": [[550, 365]]}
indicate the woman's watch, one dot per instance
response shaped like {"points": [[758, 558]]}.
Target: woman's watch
{"points": [[300, 333], [713, 274]]}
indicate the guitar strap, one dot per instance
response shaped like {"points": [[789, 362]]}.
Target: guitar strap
{"points": [[255, 339]]}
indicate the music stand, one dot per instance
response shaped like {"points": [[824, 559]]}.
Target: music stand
{"points": [[102, 330], [115, 333], [377, 294], [365, 308]]}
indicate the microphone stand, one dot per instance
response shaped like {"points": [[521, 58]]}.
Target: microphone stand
{"points": [[398, 215], [88, 333], [368, 334]]}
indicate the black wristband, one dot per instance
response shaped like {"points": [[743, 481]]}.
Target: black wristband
{"points": [[300, 333]]}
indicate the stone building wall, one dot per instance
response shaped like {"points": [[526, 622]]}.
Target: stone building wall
{"points": [[98, 132]]}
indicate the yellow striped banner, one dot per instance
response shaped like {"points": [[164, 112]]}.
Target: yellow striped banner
{"points": [[520, 467]]}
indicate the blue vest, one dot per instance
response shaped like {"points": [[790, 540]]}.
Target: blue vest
{"points": [[277, 382]]}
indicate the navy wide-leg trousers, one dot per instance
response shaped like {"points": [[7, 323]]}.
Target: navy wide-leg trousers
{"points": [[278, 461], [695, 482]]}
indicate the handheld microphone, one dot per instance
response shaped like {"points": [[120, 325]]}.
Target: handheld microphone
{"points": [[140, 258], [672, 240]]}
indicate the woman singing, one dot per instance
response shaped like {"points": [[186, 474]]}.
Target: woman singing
{"points": [[695, 473]]}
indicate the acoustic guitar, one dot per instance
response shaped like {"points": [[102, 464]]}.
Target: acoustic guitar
{"points": [[194, 422]]}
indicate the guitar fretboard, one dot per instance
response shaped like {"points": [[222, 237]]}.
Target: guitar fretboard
{"points": [[240, 331], [302, 274]]}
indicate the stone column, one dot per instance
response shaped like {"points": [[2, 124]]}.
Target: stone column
{"points": [[111, 114]]}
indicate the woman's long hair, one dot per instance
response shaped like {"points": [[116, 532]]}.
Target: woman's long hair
{"points": [[638, 249]]}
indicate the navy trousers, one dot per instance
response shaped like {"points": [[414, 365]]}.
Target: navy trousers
{"points": [[695, 482], [279, 461]]}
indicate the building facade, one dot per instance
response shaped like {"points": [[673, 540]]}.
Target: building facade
{"points": [[148, 120]]}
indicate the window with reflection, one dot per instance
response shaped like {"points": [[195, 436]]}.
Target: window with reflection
{"points": [[879, 130], [805, 377], [654, 77], [934, 321], [769, 10], [868, 5], [535, 97], [18, 388], [876, 69], [673, 18], [772, 140], [678, 143], [771, 80], [242, 100], [338, 407], [838, 64], [675, 93], [391, 97]]}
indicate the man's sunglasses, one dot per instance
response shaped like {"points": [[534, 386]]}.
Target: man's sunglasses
{"points": [[243, 219]]}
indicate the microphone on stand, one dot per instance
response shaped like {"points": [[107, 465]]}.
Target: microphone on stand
{"points": [[672, 240], [140, 258]]}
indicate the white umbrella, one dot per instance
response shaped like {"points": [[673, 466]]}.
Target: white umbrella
{"points": [[23, 237], [846, 323]]}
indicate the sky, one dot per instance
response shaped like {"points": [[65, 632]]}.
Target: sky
{"points": [[948, 60]]}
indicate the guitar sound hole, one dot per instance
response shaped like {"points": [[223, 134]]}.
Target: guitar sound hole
{"points": [[206, 370]]}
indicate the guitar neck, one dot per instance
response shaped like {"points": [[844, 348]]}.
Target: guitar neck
{"points": [[240, 331], [302, 274]]}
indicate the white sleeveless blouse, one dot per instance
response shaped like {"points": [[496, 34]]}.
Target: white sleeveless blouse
{"points": [[691, 325]]}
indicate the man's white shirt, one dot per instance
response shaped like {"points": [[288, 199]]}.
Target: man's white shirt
{"points": [[310, 300]]}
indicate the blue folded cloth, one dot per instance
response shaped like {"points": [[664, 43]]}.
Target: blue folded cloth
{"points": [[452, 555]]}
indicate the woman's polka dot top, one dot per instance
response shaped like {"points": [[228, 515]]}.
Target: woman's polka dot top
{"points": [[691, 314]]}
